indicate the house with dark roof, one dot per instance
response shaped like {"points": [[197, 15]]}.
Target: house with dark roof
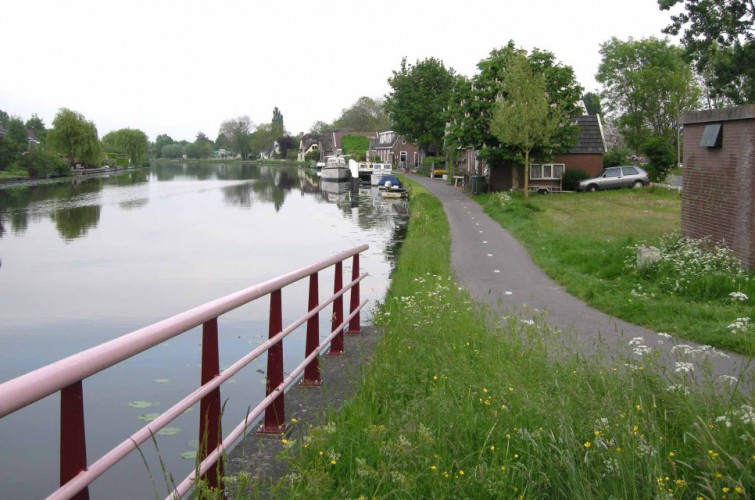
{"points": [[586, 155], [390, 147]]}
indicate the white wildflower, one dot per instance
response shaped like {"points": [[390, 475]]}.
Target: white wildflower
{"points": [[728, 378], [665, 335], [678, 388], [739, 296], [684, 367], [637, 341], [723, 419]]}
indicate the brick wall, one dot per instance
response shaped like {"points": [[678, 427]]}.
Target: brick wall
{"points": [[590, 163], [719, 183]]}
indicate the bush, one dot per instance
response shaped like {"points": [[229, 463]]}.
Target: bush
{"points": [[38, 163], [615, 157], [661, 157], [572, 178]]}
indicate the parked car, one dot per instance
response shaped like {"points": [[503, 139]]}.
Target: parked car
{"points": [[617, 177]]}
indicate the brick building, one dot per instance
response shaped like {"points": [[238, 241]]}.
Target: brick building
{"points": [[719, 155]]}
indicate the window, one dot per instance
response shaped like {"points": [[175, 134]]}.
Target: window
{"points": [[711, 136], [629, 171], [547, 171], [612, 172]]}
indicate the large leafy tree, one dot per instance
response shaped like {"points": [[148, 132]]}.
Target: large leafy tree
{"points": [[237, 132], [75, 138], [365, 115], [13, 143], [524, 119], [718, 36], [646, 85], [592, 103], [417, 105], [262, 139], [475, 99], [161, 141], [131, 142]]}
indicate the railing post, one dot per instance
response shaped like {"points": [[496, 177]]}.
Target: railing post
{"points": [[312, 370], [209, 406], [275, 414], [73, 448], [336, 346], [355, 323]]}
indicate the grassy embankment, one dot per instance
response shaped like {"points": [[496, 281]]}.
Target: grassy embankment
{"points": [[452, 407], [586, 241]]}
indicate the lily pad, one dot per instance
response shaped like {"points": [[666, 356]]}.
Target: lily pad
{"points": [[168, 431], [140, 404], [149, 417], [189, 455], [161, 380]]}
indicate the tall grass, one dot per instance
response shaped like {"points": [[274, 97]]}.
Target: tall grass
{"points": [[588, 243], [451, 406]]}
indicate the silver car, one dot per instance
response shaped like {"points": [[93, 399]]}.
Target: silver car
{"points": [[617, 177]]}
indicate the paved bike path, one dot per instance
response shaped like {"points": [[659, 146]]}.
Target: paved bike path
{"points": [[496, 270]]}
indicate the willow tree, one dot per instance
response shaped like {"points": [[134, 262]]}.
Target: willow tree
{"points": [[131, 142], [524, 119], [75, 138]]}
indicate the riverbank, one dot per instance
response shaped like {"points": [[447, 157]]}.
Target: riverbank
{"points": [[460, 402]]}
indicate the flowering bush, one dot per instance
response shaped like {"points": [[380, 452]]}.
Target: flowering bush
{"points": [[500, 198], [694, 268]]}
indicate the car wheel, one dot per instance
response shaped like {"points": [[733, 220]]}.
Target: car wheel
{"points": [[592, 188], [637, 184]]}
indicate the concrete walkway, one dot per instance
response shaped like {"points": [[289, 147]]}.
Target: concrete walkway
{"points": [[496, 270]]}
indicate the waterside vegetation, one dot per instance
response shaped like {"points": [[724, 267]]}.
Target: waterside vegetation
{"points": [[456, 403]]}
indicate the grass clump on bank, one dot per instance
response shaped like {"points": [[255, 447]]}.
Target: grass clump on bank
{"points": [[588, 243], [451, 406]]}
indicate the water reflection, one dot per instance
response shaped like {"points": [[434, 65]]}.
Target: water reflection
{"points": [[89, 259]]}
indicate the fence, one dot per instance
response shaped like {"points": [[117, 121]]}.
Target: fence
{"points": [[66, 376]]}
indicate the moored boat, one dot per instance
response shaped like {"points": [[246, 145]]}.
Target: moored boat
{"points": [[378, 171], [335, 169]]}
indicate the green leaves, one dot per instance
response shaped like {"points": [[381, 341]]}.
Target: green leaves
{"points": [[419, 101]]}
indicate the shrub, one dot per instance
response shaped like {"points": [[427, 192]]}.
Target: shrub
{"points": [[38, 163], [614, 157], [661, 156], [572, 178]]}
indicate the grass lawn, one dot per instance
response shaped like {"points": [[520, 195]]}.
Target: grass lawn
{"points": [[584, 241], [452, 407]]}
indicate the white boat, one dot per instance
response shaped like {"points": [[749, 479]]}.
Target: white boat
{"points": [[379, 170], [335, 169], [394, 192], [365, 170]]}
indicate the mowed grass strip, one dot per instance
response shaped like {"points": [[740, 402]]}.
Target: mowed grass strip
{"points": [[585, 241], [453, 407]]}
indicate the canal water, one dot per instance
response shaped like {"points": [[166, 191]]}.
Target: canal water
{"points": [[86, 260]]}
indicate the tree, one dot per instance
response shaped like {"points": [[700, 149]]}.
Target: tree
{"points": [[237, 132], [277, 122], [365, 115], [646, 85], [475, 98], [524, 118], [592, 103], [418, 104], [131, 142], [36, 124], [319, 127], [75, 138], [161, 141], [718, 36], [261, 140], [13, 143]]}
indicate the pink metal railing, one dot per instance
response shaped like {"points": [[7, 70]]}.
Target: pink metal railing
{"points": [[66, 376]]}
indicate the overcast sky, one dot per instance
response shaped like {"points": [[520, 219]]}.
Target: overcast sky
{"points": [[180, 67]]}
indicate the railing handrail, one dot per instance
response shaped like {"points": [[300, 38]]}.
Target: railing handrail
{"points": [[38, 384]]}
